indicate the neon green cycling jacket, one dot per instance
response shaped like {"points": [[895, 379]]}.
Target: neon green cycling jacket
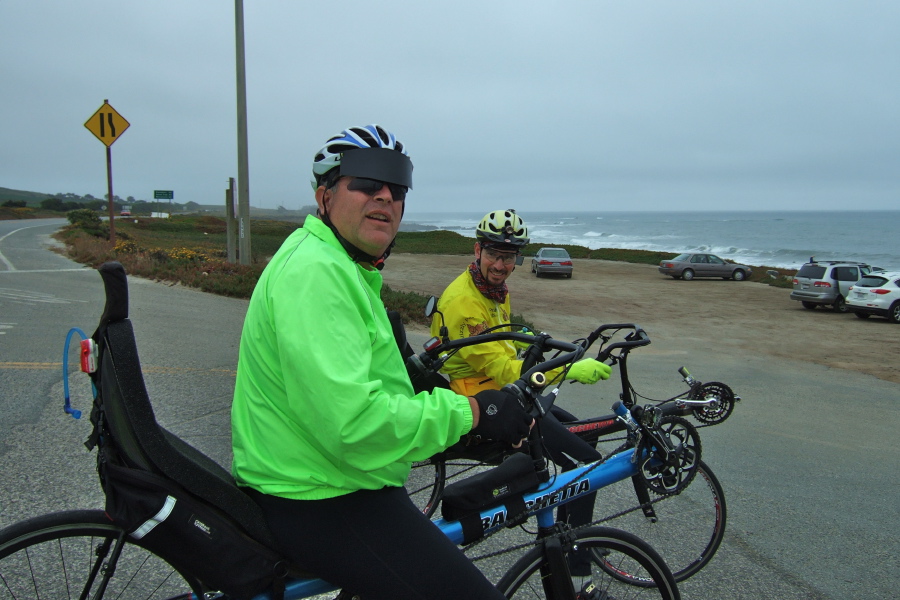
{"points": [[322, 404]]}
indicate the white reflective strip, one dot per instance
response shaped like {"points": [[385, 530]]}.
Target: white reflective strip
{"points": [[156, 519]]}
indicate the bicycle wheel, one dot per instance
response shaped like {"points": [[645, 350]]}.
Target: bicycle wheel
{"points": [[687, 528], [425, 484], [68, 555], [610, 549]]}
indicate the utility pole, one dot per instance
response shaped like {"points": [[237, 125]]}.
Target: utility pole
{"points": [[243, 161]]}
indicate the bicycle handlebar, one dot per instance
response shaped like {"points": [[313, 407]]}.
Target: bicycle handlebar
{"points": [[436, 353], [637, 338]]}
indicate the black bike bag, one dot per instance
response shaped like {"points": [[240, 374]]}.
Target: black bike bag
{"points": [[505, 484]]}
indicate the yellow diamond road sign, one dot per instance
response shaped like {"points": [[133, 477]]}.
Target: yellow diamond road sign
{"points": [[107, 124]]}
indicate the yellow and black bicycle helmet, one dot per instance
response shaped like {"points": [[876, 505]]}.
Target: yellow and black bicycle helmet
{"points": [[502, 228]]}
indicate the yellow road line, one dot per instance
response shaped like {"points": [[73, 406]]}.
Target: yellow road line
{"points": [[47, 366]]}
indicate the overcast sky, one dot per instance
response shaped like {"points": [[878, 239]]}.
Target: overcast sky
{"points": [[588, 105]]}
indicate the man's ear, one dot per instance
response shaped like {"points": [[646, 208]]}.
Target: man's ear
{"points": [[477, 250], [323, 199]]}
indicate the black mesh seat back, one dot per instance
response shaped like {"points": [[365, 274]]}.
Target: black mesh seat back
{"points": [[132, 424]]}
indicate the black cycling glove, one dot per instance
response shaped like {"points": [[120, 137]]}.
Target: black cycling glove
{"points": [[502, 417]]}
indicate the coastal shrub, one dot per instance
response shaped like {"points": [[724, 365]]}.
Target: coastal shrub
{"points": [[17, 212], [433, 242], [126, 246], [410, 305], [89, 221]]}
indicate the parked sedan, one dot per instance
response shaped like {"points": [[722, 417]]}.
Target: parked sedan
{"points": [[688, 266], [551, 260], [877, 293]]}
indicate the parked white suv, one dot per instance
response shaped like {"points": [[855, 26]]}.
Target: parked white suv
{"points": [[878, 294], [827, 282]]}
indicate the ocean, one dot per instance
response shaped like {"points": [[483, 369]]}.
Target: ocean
{"points": [[784, 239]]}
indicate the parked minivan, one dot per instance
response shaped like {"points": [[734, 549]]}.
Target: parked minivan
{"points": [[827, 282]]}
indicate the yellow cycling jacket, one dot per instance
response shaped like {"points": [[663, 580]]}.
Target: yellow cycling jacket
{"points": [[468, 312]]}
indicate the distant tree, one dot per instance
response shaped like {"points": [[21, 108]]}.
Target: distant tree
{"points": [[191, 206], [53, 204], [15, 204]]}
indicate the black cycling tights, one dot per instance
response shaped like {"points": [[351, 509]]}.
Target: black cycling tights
{"points": [[375, 544]]}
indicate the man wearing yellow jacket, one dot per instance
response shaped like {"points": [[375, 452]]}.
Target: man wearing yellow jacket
{"points": [[479, 299]]}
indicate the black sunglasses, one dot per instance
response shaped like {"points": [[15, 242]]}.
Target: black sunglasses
{"points": [[372, 186]]}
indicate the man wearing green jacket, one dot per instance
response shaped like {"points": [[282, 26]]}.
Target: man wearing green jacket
{"points": [[325, 422]]}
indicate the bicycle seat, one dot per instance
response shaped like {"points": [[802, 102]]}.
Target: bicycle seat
{"points": [[130, 419]]}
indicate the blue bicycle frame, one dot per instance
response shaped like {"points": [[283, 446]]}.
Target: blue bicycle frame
{"points": [[542, 502]]}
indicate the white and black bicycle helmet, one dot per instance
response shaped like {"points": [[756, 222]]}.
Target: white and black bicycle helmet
{"points": [[370, 151], [502, 228]]}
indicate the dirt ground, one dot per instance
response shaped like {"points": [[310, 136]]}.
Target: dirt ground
{"points": [[704, 314]]}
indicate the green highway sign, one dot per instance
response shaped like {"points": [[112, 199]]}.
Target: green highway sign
{"points": [[163, 194]]}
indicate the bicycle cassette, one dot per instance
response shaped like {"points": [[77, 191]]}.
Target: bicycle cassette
{"points": [[671, 453]]}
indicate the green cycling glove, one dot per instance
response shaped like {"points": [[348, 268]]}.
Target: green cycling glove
{"points": [[523, 345], [589, 371]]}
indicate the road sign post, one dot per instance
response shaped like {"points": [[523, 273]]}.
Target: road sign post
{"points": [[108, 126]]}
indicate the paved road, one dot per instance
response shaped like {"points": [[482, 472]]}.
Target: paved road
{"points": [[808, 461]]}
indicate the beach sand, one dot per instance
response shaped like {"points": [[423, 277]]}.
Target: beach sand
{"points": [[703, 315]]}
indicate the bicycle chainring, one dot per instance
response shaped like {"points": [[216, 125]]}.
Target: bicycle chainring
{"points": [[719, 409], [670, 472]]}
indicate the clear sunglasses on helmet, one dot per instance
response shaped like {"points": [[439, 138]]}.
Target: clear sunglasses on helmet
{"points": [[373, 186]]}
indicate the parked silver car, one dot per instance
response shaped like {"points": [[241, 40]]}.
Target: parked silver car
{"points": [[551, 261], [690, 265], [827, 283]]}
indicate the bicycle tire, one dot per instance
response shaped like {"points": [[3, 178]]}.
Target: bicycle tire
{"points": [[689, 526], [611, 547], [53, 555], [425, 484]]}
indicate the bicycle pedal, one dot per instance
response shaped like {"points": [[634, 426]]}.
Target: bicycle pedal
{"points": [[590, 592]]}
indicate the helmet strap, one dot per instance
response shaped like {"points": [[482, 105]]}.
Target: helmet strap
{"points": [[355, 253]]}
